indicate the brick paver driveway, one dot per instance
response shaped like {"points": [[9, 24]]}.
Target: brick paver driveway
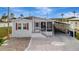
{"points": [[58, 42], [15, 44]]}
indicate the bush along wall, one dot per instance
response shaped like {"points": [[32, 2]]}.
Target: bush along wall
{"points": [[2, 41], [77, 35]]}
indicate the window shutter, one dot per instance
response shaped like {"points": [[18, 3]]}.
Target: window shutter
{"points": [[27, 26], [16, 26]]}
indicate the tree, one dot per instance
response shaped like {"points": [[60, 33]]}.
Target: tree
{"points": [[74, 13], [22, 16], [4, 16], [62, 16], [12, 16]]}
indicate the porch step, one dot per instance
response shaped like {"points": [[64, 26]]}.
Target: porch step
{"points": [[47, 34], [38, 35]]}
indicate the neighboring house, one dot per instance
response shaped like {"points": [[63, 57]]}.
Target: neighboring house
{"points": [[25, 27], [5, 24], [4, 20], [73, 25]]}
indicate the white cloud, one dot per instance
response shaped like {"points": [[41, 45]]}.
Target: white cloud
{"points": [[18, 11], [43, 11], [68, 14], [40, 11]]}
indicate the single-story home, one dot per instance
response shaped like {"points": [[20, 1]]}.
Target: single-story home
{"points": [[25, 27]]}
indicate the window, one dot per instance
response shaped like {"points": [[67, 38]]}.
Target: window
{"points": [[26, 26], [36, 24], [18, 26]]}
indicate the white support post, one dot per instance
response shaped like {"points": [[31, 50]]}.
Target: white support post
{"points": [[46, 26], [40, 26], [8, 21], [52, 29]]}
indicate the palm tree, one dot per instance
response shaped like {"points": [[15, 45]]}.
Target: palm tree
{"points": [[62, 16], [74, 13], [12, 15], [4, 17], [21, 15]]}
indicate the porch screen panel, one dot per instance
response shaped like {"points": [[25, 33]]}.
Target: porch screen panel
{"points": [[49, 26], [43, 26]]}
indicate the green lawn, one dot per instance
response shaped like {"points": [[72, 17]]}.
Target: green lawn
{"points": [[4, 31]]}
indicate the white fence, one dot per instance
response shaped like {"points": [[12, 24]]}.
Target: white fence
{"points": [[5, 24]]}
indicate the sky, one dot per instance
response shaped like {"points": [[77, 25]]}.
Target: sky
{"points": [[49, 12]]}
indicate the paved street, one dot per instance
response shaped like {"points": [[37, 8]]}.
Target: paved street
{"points": [[58, 42]]}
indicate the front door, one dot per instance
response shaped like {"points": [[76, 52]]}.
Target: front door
{"points": [[37, 27], [43, 26], [49, 26]]}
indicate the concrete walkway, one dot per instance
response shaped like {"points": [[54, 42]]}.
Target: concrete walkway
{"points": [[38, 35], [59, 42]]}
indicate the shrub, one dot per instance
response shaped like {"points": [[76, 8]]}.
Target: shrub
{"points": [[1, 41], [77, 35], [4, 31]]}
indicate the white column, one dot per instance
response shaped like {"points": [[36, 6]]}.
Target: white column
{"points": [[46, 26], [52, 29], [32, 25], [40, 26]]}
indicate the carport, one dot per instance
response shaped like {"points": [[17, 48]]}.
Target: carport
{"points": [[60, 27]]}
